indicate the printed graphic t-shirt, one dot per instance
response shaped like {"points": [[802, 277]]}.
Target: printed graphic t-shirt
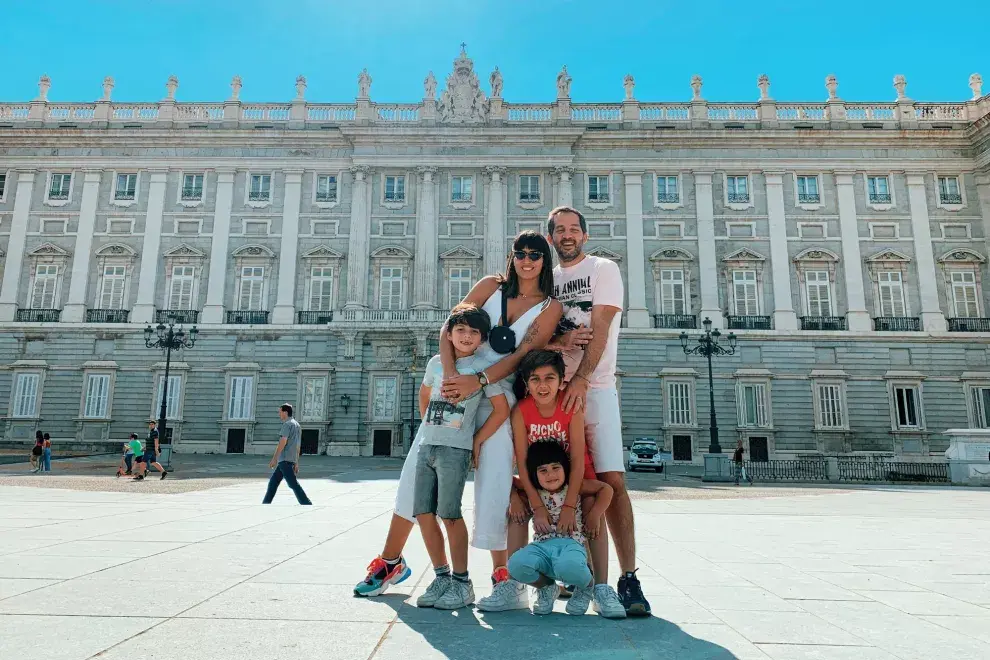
{"points": [[555, 428], [592, 281], [452, 424]]}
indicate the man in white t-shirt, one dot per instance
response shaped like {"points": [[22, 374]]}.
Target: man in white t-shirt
{"points": [[590, 289]]}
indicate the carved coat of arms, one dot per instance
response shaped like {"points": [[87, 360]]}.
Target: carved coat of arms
{"points": [[462, 101]]}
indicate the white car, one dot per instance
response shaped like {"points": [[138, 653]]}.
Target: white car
{"points": [[645, 455]]}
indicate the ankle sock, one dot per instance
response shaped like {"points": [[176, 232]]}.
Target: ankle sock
{"points": [[442, 570], [462, 577], [392, 562]]}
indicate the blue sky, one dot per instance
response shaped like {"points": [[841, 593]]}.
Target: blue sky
{"points": [[661, 42]]}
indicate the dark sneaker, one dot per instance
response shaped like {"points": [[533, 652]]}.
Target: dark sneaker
{"points": [[139, 477], [164, 473], [631, 595]]}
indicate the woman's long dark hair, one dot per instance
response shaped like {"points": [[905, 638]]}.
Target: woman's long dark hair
{"points": [[532, 241]]}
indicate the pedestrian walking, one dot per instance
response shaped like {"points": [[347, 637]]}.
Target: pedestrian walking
{"points": [[47, 453], [151, 451], [127, 460], [37, 451], [285, 461], [737, 461]]}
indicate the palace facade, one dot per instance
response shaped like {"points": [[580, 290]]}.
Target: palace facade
{"points": [[318, 248]]}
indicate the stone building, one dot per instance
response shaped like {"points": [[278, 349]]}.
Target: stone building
{"points": [[319, 247]]}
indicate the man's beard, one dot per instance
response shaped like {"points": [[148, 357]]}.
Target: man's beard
{"points": [[568, 255]]}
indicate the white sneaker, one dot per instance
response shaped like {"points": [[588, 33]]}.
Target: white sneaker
{"points": [[458, 594], [579, 602], [545, 598], [607, 603], [433, 592], [506, 595]]}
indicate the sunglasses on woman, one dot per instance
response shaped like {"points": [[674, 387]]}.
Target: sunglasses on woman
{"points": [[521, 255]]}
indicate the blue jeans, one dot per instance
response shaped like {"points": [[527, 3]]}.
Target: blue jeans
{"points": [[560, 559], [285, 470], [47, 459]]}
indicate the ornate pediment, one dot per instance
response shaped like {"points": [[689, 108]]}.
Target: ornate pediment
{"points": [[605, 253], [257, 251], [816, 254], [184, 251], [888, 255], [322, 252], [962, 255], [116, 250], [671, 254], [460, 252], [462, 102], [391, 251], [744, 254], [49, 250]]}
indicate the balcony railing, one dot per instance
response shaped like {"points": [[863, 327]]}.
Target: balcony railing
{"points": [[675, 321], [186, 316], [460, 197], [879, 198], [668, 198], [107, 315], [326, 196], [259, 197], [247, 317], [395, 197], [749, 323], [969, 325], [58, 194], [809, 198], [38, 315], [529, 198], [192, 194], [738, 198], [316, 317], [125, 195], [896, 324], [949, 198], [823, 323], [598, 198]]}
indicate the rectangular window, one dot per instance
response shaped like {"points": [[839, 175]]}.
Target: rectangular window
{"points": [[119, 226], [320, 289], [261, 188], [879, 189], [737, 189], [126, 187], [460, 188], [383, 399], [3, 184], [807, 189], [26, 395], [60, 186], [255, 228], [679, 404], [45, 287], [819, 291], [672, 292], [252, 284], [891, 293], [948, 190], [459, 284], [754, 405], [907, 406], [97, 396], [314, 398], [395, 189], [667, 192], [53, 226], [390, 294], [239, 406], [112, 291], [180, 295], [326, 188], [187, 226], [529, 188], [981, 407], [174, 396], [597, 188], [745, 301], [192, 187], [964, 294], [830, 406]]}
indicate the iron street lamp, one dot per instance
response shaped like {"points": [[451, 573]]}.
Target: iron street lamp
{"points": [[168, 339], [708, 346]]}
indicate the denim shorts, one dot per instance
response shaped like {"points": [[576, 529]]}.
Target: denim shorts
{"points": [[150, 457], [440, 475]]}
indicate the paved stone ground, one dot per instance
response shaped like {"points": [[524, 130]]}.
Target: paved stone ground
{"points": [[93, 567]]}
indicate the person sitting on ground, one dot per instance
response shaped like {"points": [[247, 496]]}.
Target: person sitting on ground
{"points": [[557, 553], [445, 458]]}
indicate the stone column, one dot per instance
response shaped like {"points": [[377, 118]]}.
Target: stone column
{"points": [[75, 308], [932, 319], [637, 315], [982, 190], [495, 251], [425, 268], [784, 317], [359, 238], [857, 318], [285, 307], [213, 310], [565, 192], [15, 246], [707, 260], [144, 309]]}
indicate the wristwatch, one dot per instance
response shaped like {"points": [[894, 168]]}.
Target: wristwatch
{"points": [[483, 379]]}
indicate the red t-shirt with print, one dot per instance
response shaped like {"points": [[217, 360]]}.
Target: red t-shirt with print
{"points": [[554, 427]]}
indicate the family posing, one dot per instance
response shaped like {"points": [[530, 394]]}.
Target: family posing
{"points": [[557, 328]]}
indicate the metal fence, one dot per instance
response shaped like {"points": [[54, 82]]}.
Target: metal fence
{"points": [[881, 470], [802, 469]]}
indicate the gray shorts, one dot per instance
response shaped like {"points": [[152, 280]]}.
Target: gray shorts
{"points": [[440, 475]]}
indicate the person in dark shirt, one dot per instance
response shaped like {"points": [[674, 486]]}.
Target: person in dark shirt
{"points": [[737, 461]]}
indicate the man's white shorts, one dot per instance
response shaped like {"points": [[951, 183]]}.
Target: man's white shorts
{"points": [[603, 429]]}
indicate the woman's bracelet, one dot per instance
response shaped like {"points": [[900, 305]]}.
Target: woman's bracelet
{"points": [[568, 506]]}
